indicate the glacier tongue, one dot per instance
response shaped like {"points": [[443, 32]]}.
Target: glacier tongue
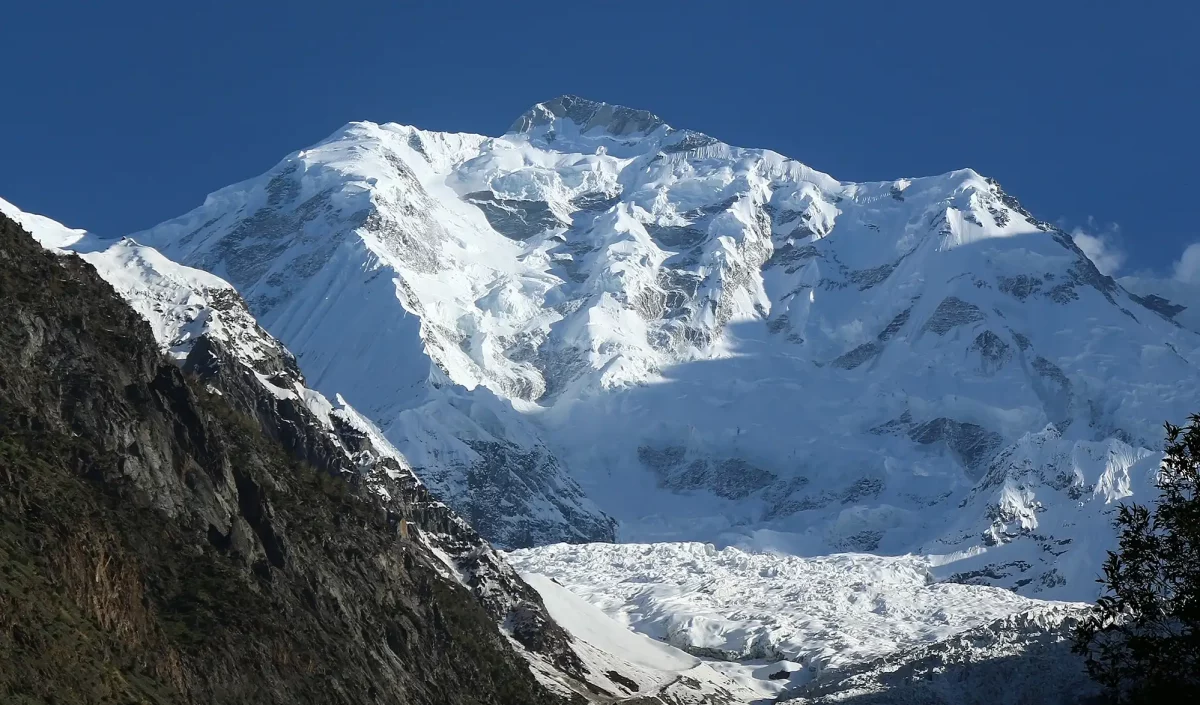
{"points": [[734, 605]]}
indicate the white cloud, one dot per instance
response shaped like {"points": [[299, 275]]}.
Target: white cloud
{"points": [[1187, 269], [1104, 249]]}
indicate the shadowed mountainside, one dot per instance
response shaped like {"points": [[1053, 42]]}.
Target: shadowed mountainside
{"points": [[157, 546]]}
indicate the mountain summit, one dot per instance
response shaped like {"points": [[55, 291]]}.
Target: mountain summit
{"points": [[587, 116]]}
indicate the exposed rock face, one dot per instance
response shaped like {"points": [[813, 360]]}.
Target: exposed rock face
{"points": [[167, 539], [951, 313], [972, 444], [993, 352], [732, 478], [1159, 305], [341, 445], [615, 120]]}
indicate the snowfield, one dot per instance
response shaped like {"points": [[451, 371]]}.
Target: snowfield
{"points": [[627, 663]]}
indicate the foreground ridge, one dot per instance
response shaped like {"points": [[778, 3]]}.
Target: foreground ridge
{"points": [[156, 529]]}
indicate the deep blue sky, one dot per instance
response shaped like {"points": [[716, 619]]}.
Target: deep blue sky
{"points": [[117, 115]]}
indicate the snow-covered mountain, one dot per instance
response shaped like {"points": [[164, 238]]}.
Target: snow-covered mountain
{"points": [[880, 402], [597, 315]]}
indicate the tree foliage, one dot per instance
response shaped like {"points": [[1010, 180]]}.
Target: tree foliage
{"points": [[1142, 639]]}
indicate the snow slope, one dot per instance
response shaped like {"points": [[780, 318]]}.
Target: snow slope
{"points": [[597, 314], [626, 663], [346, 283], [50, 233]]}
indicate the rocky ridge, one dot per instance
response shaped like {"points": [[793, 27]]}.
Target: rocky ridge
{"points": [[159, 547]]}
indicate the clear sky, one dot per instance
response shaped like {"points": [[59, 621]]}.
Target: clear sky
{"points": [[117, 115]]}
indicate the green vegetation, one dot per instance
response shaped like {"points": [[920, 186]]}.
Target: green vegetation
{"points": [[1142, 640]]}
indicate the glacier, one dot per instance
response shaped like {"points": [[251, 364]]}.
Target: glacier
{"points": [[844, 627]]}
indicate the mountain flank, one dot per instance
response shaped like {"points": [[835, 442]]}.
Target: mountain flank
{"points": [[157, 547]]}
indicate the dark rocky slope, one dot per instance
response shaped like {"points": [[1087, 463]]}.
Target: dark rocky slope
{"points": [[334, 445], [156, 546]]}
